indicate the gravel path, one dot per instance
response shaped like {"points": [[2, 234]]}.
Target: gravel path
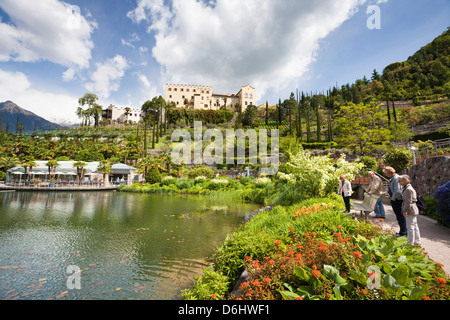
{"points": [[435, 238]]}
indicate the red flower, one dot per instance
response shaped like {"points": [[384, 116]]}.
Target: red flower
{"points": [[358, 255], [277, 243], [315, 273], [441, 280]]}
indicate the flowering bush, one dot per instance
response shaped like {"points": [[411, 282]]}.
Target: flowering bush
{"points": [[306, 176], [262, 181], [312, 269], [318, 207], [442, 195], [322, 254]]}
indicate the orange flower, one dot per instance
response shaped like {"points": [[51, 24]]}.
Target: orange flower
{"points": [[315, 273], [441, 280], [426, 298], [358, 255], [244, 285], [298, 298], [213, 296], [256, 283], [339, 227], [363, 291]]}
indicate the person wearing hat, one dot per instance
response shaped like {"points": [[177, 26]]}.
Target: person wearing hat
{"points": [[376, 188]]}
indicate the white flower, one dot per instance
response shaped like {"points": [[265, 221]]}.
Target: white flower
{"points": [[262, 181], [219, 181]]}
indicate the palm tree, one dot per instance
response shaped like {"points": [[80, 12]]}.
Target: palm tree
{"points": [[7, 163], [127, 113], [29, 164], [80, 170], [52, 165], [105, 168]]}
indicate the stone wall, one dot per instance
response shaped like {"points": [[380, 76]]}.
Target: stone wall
{"points": [[427, 176]]}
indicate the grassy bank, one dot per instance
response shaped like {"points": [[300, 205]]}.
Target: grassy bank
{"points": [[312, 251], [246, 189]]}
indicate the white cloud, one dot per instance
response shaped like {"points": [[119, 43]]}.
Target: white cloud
{"points": [[69, 75], [15, 86], [106, 78], [45, 30], [134, 37], [230, 43]]}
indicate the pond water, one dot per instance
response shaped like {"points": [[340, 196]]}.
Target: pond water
{"points": [[127, 246]]}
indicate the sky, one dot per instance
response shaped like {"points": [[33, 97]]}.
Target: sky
{"points": [[52, 52]]}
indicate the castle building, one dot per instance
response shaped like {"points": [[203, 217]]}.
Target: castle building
{"points": [[122, 115], [203, 97]]}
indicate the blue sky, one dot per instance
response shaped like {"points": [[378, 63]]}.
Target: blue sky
{"points": [[52, 52]]}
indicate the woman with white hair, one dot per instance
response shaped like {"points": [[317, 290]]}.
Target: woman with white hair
{"points": [[410, 210]]}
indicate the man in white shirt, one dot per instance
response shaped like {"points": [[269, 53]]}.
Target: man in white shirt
{"points": [[345, 190]]}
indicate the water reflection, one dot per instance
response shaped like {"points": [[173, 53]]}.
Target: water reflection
{"points": [[129, 246]]}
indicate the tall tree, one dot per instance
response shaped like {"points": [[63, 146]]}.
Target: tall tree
{"points": [[299, 119], [90, 100], [267, 113], [361, 126]]}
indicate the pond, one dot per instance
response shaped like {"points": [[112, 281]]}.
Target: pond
{"points": [[127, 246]]}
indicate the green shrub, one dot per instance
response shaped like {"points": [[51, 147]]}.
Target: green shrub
{"points": [[200, 171], [211, 285], [153, 176], [369, 162], [398, 158], [184, 184]]}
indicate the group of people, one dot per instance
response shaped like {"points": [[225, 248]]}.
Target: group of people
{"points": [[403, 201]]}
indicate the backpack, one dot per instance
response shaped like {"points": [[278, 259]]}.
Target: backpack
{"points": [[421, 204]]}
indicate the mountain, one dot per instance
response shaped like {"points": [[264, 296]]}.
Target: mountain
{"points": [[11, 115], [425, 73]]}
